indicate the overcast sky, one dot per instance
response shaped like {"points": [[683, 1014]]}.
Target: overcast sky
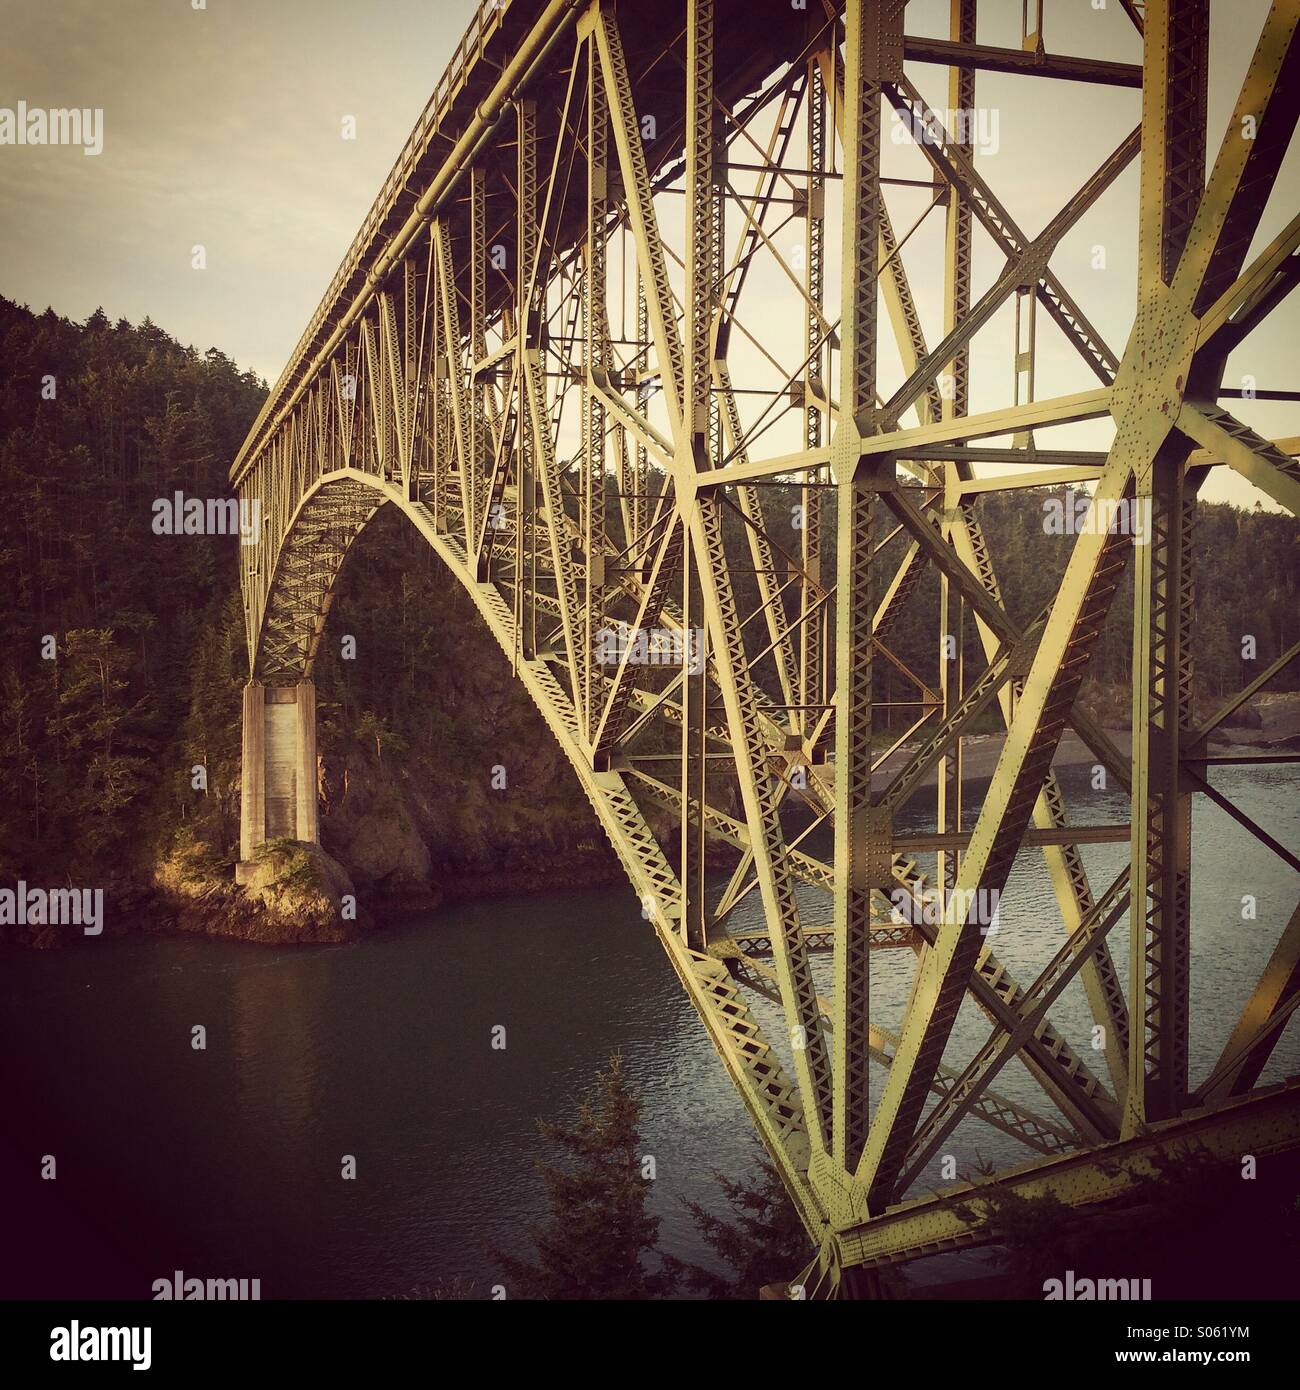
{"points": [[222, 128]]}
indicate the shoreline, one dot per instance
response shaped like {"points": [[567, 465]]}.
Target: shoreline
{"points": [[212, 910], [980, 752]]}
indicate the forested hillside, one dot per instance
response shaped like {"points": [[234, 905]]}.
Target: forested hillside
{"points": [[123, 649], [95, 423], [1247, 575], [101, 728]]}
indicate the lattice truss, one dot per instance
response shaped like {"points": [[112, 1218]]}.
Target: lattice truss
{"points": [[621, 326]]}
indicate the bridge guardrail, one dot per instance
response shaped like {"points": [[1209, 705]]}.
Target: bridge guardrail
{"points": [[486, 21]]}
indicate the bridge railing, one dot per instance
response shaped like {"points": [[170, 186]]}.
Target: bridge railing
{"points": [[486, 21]]}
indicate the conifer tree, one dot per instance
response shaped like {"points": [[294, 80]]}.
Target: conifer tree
{"points": [[764, 1241], [599, 1238]]}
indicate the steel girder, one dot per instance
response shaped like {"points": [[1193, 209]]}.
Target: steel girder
{"points": [[551, 353]]}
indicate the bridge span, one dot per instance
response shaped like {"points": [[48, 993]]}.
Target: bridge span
{"points": [[632, 337]]}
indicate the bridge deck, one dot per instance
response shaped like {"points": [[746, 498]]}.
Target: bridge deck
{"points": [[503, 36]]}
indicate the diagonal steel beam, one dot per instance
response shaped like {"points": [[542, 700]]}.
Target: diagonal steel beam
{"points": [[1086, 590]]}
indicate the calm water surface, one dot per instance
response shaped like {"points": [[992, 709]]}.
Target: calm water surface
{"points": [[226, 1162]]}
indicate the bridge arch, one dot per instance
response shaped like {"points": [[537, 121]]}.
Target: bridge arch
{"points": [[295, 608]]}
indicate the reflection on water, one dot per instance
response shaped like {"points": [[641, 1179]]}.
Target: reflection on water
{"points": [[226, 1162]]}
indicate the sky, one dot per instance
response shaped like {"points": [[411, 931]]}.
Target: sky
{"points": [[223, 130]]}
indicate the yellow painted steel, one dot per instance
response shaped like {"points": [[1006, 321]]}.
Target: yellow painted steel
{"points": [[539, 349]]}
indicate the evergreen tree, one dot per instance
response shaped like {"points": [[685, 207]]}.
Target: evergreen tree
{"points": [[98, 729], [598, 1237], [1191, 1225], [93, 738], [763, 1243]]}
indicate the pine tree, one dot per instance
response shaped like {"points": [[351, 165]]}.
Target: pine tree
{"points": [[1190, 1225], [764, 1243], [98, 725], [598, 1237]]}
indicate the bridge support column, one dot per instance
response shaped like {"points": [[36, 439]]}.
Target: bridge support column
{"points": [[305, 773], [278, 798], [252, 783]]}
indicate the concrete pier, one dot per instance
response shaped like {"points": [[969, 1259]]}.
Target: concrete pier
{"points": [[306, 778], [252, 796], [278, 798]]}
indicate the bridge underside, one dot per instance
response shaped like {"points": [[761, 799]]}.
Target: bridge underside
{"points": [[611, 340]]}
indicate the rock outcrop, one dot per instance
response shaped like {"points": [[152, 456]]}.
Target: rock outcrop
{"points": [[296, 894]]}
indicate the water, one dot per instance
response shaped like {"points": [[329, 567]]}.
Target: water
{"points": [[226, 1162]]}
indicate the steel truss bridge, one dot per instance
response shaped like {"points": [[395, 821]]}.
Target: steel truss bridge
{"points": [[623, 285]]}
